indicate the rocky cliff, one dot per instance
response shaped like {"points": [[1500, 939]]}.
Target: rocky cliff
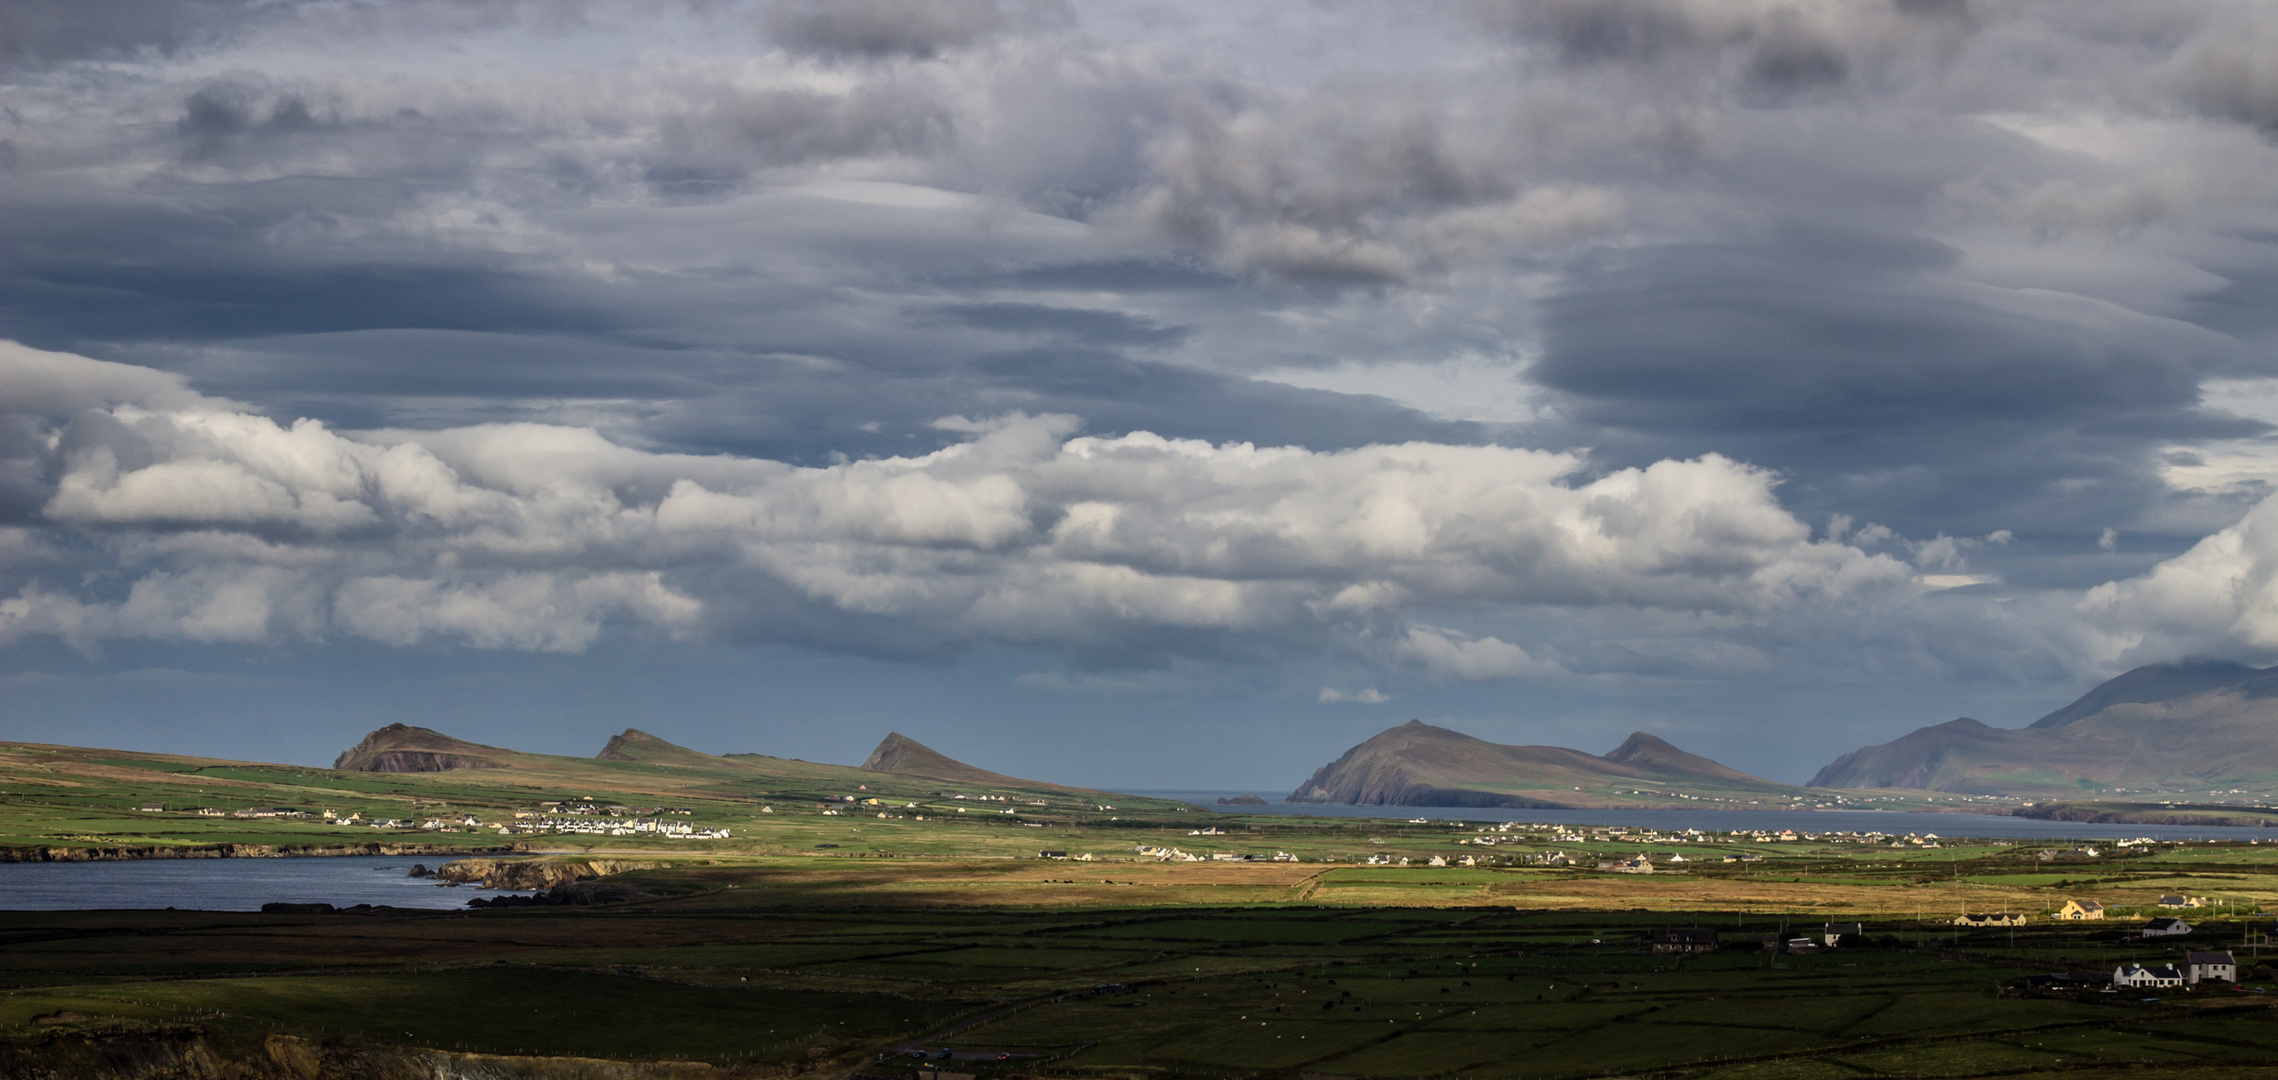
{"points": [[401, 748]]}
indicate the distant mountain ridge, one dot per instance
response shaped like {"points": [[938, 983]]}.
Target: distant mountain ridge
{"points": [[1418, 764], [2189, 727], [402, 748]]}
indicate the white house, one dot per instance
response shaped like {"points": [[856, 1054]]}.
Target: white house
{"points": [[2214, 967], [2141, 977], [2166, 927]]}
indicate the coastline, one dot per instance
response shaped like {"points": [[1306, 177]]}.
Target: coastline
{"points": [[42, 853], [1524, 804]]}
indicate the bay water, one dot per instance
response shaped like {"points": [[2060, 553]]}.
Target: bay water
{"points": [[229, 884]]}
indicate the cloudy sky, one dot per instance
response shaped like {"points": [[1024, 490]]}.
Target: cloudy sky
{"points": [[1152, 394]]}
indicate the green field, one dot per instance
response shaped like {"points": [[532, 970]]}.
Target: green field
{"points": [[828, 944], [755, 983]]}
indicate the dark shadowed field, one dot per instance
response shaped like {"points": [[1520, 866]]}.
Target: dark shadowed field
{"points": [[774, 976]]}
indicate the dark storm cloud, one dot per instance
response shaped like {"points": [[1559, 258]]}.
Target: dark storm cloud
{"points": [[880, 28], [1098, 327], [1123, 276], [2231, 79], [794, 127], [1844, 331], [54, 31], [158, 271], [1624, 31], [1115, 392], [1790, 57], [1844, 358], [1908, 263]]}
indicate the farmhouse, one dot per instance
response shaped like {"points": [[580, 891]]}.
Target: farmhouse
{"points": [[2166, 927], [1682, 940], [152, 808], [2182, 901], [2080, 909], [1990, 920], [1834, 933], [2141, 977], [2214, 967]]}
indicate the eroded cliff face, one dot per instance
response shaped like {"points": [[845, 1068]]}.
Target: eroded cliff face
{"points": [[408, 761], [189, 1054], [401, 748]]}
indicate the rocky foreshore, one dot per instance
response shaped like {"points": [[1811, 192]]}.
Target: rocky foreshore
{"points": [[537, 873], [21, 853]]}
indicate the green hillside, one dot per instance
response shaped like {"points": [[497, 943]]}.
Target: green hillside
{"points": [[66, 797]]}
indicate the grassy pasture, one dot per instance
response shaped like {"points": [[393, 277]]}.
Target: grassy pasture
{"points": [[769, 950], [753, 976]]}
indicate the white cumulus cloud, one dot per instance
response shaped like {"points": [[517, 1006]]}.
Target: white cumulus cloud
{"points": [[212, 523]]}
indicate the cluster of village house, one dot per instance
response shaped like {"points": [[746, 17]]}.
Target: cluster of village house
{"points": [[526, 822], [588, 818], [2220, 968], [1162, 853]]}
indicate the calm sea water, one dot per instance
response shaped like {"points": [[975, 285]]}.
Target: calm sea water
{"points": [[227, 884], [1888, 821]]}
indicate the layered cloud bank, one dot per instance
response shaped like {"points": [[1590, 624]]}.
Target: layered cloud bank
{"points": [[207, 522], [1373, 353]]}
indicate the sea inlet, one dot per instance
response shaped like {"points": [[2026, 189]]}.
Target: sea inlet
{"points": [[229, 884]]}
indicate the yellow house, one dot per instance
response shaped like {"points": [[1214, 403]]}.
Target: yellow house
{"points": [[2080, 909], [1990, 920]]}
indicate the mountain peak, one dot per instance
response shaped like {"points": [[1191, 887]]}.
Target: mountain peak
{"points": [[2151, 683], [402, 748], [633, 744], [2192, 724], [1656, 752], [898, 753], [1642, 746]]}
